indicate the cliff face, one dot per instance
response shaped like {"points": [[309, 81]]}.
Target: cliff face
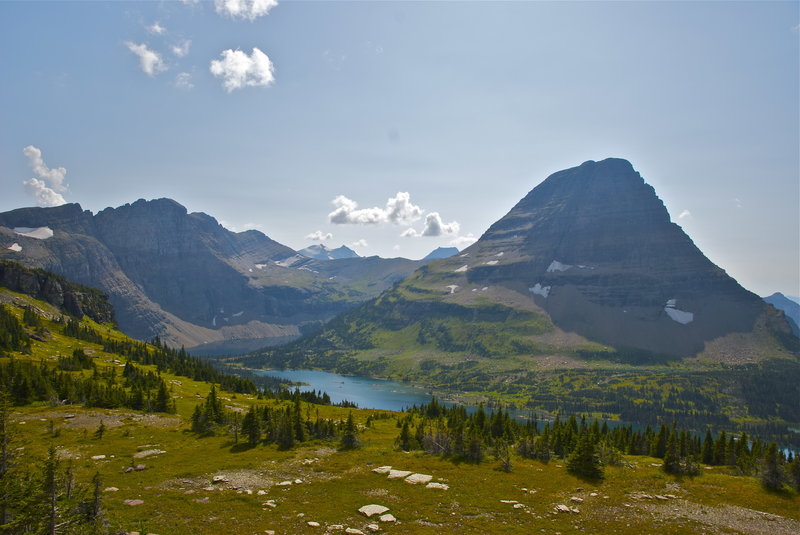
{"points": [[184, 277], [72, 298], [595, 248]]}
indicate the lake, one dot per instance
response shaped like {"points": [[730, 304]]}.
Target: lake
{"points": [[365, 392]]}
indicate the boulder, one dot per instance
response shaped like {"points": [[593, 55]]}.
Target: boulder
{"points": [[388, 517], [382, 469], [219, 479], [414, 479], [561, 508], [435, 485], [372, 509], [399, 474]]}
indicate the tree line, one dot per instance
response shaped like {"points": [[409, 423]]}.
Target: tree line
{"points": [[587, 446]]}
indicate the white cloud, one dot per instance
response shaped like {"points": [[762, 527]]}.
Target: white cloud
{"points": [[48, 185], [319, 236], [182, 48], [183, 80], [359, 243], [686, 214], [737, 202], [395, 248], [156, 28], [244, 9], [434, 226], [399, 210], [346, 212], [238, 70], [410, 233], [149, 60], [463, 241], [190, 2]]}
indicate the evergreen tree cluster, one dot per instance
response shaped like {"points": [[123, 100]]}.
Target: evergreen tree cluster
{"points": [[587, 447], [27, 382], [12, 334], [286, 425]]}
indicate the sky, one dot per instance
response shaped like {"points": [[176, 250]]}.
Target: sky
{"points": [[399, 127]]}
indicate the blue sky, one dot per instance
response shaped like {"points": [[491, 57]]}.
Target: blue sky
{"points": [[463, 106]]}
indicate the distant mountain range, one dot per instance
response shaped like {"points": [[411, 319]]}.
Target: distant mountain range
{"points": [[587, 265], [789, 306], [321, 252], [185, 278], [441, 252]]}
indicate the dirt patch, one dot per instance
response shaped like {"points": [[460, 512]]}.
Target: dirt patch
{"points": [[727, 517], [91, 419]]}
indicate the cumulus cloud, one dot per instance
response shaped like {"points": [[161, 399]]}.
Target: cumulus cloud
{"points": [[399, 210], [686, 214], [238, 70], [156, 28], [236, 228], [244, 9], [347, 212], [48, 185], [149, 60], [463, 241], [359, 243], [319, 236], [410, 233], [183, 80], [182, 48], [434, 226]]}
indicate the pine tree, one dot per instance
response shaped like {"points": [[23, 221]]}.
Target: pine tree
{"points": [[772, 476], [404, 441], [251, 426], [349, 439], [583, 461]]}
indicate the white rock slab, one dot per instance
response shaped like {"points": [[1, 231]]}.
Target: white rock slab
{"points": [[372, 509]]}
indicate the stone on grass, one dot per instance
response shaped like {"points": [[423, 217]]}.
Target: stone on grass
{"points": [[519, 506], [202, 500], [353, 531], [382, 469], [111, 489], [219, 479], [561, 508], [509, 501], [373, 527], [435, 485], [139, 467], [147, 453], [388, 517], [372, 509], [128, 470], [283, 484], [261, 492], [418, 478], [399, 474], [576, 499], [313, 524], [133, 502], [298, 481], [98, 457]]}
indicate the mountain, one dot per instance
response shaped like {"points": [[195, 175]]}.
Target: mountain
{"points": [[185, 278], [441, 252], [588, 265], [321, 252], [789, 307]]}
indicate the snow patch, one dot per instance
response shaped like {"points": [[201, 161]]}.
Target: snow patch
{"points": [[292, 260], [681, 316], [501, 253], [462, 269], [538, 289], [260, 266], [491, 263], [238, 314], [555, 265], [15, 247], [40, 233], [214, 321], [463, 255], [484, 288], [452, 288]]}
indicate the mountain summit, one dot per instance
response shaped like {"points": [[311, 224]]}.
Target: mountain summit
{"points": [[587, 265]]}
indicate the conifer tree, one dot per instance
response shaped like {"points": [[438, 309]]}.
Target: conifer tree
{"points": [[772, 476], [349, 439], [583, 461]]}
